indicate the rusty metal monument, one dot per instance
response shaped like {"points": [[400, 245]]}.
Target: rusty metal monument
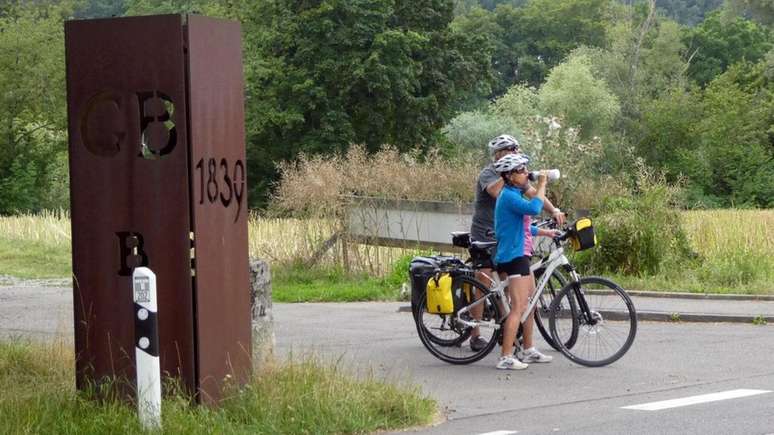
{"points": [[157, 179]]}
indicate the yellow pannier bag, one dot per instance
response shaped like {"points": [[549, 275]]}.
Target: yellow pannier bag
{"points": [[583, 236], [439, 294]]}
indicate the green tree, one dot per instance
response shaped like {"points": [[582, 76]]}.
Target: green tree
{"points": [[322, 75], [471, 131], [100, 9], [531, 39], [668, 138], [32, 107], [688, 12], [736, 136], [721, 139], [722, 40], [760, 10], [520, 103], [573, 92]]}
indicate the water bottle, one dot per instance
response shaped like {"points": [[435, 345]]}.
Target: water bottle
{"points": [[553, 174]]}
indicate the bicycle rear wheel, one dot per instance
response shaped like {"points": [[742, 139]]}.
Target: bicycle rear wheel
{"points": [[554, 285], [606, 321], [447, 338]]}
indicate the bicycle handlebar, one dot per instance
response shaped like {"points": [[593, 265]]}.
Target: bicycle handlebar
{"points": [[550, 223]]}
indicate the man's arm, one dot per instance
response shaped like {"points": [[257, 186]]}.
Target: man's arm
{"points": [[494, 188]]}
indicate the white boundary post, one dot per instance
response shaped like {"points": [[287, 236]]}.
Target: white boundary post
{"points": [[146, 336]]}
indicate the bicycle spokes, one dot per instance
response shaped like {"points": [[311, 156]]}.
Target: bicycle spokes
{"points": [[605, 320]]}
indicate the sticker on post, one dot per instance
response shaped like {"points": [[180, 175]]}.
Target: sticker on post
{"points": [[142, 289]]}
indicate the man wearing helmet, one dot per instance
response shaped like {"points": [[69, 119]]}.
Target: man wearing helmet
{"points": [[488, 187], [514, 232]]}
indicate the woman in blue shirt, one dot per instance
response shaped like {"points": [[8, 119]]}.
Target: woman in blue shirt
{"points": [[514, 232]]}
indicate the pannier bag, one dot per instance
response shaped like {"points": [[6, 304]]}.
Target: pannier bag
{"points": [[439, 294], [421, 271], [582, 234]]}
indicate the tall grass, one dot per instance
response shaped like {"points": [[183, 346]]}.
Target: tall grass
{"points": [[291, 242], [49, 228], [735, 247], [38, 396], [720, 233]]}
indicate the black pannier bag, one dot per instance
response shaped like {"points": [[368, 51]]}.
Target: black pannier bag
{"points": [[421, 270]]}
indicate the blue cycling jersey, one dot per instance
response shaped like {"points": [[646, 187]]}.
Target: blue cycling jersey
{"points": [[511, 213]]}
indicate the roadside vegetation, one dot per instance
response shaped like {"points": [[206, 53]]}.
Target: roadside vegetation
{"points": [[728, 251], [298, 396]]}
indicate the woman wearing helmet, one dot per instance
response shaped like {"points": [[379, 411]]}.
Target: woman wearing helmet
{"points": [[514, 233], [488, 187]]}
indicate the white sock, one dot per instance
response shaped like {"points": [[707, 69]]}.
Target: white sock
{"points": [[530, 350]]}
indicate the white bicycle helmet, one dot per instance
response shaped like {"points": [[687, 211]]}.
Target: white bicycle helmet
{"points": [[511, 162], [502, 142]]}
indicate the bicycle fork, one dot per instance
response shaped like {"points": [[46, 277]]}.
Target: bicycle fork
{"points": [[591, 318]]}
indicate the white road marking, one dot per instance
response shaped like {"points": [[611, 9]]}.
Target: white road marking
{"points": [[500, 432], [694, 400]]}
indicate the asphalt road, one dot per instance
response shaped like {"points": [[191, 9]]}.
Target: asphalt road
{"points": [[667, 361]]}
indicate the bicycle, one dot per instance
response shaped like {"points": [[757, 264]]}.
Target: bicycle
{"points": [[580, 324], [482, 252]]}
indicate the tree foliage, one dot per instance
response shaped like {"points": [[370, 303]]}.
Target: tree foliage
{"points": [[531, 39], [331, 73], [573, 92], [720, 41], [32, 108], [759, 10]]}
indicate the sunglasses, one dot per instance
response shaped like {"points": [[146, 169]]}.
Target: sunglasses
{"points": [[521, 170], [511, 149]]}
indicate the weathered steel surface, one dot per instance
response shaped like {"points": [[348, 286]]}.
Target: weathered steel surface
{"points": [[126, 87], [219, 203]]}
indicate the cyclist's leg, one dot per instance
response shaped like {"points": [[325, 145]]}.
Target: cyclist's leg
{"points": [[529, 324], [518, 289], [478, 310]]}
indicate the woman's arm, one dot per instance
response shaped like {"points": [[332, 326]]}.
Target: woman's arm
{"points": [[548, 206]]}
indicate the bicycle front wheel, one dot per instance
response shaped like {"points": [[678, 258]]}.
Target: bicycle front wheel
{"points": [[448, 338], [553, 286], [605, 318]]}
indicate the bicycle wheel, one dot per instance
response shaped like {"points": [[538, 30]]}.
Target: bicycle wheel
{"points": [[449, 339], [606, 321], [553, 286]]}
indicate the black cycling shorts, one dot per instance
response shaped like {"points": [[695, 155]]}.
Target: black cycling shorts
{"points": [[519, 266]]}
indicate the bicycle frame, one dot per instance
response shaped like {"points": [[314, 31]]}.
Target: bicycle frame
{"points": [[497, 287]]}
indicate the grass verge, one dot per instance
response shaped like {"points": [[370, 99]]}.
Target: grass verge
{"points": [[290, 398], [299, 284], [34, 259]]}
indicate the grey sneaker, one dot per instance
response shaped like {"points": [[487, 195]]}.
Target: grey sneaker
{"points": [[477, 343], [534, 356], [510, 363]]}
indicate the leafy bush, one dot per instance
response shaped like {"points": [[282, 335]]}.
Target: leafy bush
{"points": [[399, 273], [638, 232]]}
